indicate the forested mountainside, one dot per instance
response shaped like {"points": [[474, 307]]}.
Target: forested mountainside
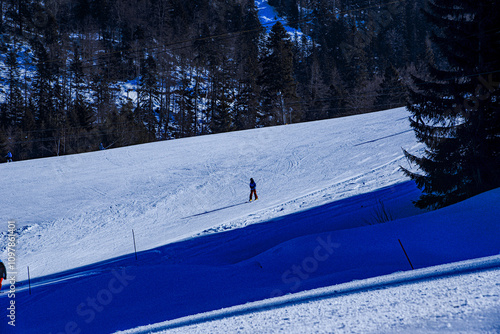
{"points": [[78, 73]]}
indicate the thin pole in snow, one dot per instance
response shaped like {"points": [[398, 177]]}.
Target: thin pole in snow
{"points": [[135, 248], [406, 255], [29, 281]]}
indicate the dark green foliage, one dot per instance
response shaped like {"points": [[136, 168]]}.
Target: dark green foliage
{"points": [[456, 110]]}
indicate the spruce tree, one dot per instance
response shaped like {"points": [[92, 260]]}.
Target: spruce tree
{"points": [[43, 98], [185, 117], [149, 94], [223, 118], [14, 96], [81, 115], [277, 81], [391, 93], [247, 102], [456, 111]]}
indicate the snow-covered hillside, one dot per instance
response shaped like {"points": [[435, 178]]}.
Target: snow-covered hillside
{"points": [[268, 17], [202, 247], [83, 207]]}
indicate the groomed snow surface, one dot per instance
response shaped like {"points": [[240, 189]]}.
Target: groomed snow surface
{"points": [[465, 300], [311, 255]]}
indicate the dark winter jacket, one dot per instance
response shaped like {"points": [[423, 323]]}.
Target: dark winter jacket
{"points": [[252, 184], [3, 271]]}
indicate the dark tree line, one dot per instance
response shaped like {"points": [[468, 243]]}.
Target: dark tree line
{"points": [[77, 73], [456, 106]]}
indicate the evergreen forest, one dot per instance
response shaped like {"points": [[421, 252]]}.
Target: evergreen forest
{"points": [[79, 74]]}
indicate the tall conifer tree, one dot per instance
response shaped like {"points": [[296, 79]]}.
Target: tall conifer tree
{"points": [[247, 102], [149, 94], [277, 81], [456, 112], [223, 116], [14, 97]]}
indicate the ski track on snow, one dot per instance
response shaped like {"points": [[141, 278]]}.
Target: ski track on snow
{"points": [[162, 190], [320, 184]]}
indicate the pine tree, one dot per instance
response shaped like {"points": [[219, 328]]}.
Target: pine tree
{"points": [[149, 95], [82, 115], [131, 130], [277, 81], [14, 97], [222, 119], [456, 112], [247, 101], [43, 98], [316, 90], [392, 92], [185, 117]]}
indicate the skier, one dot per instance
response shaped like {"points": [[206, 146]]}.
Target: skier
{"points": [[3, 273], [252, 190], [101, 147], [9, 157]]}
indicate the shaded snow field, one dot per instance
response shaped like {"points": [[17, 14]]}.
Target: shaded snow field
{"points": [[455, 298], [458, 296]]}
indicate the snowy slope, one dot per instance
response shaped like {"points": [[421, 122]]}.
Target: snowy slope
{"points": [[268, 17], [283, 256], [83, 207], [461, 297], [464, 294], [202, 248]]}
